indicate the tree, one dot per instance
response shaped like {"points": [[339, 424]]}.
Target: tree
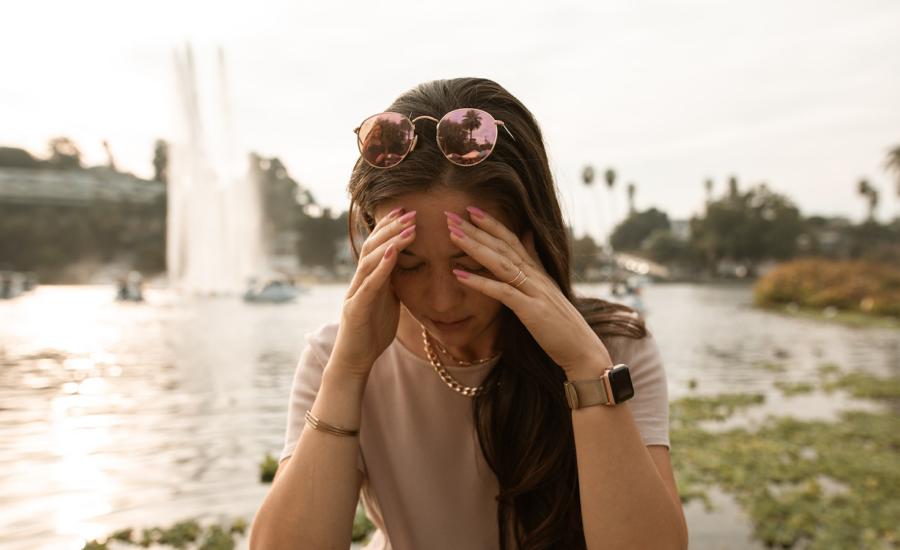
{"points": [[893, 165], [871, 195], [587, 175], [749, 227], [161, 161], [584, 255], [471, 122], [708, 185], [64, 154], [630, 234], [631, 192]]}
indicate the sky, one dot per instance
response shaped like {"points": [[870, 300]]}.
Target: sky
{"points": [[802, 95]]}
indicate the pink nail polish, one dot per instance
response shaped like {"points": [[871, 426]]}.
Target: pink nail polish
{"points": [[475, 211], [387, 252], [407, 232], [457, 232], [408, 216], [394, 212], [454, 218], [461, 273]]}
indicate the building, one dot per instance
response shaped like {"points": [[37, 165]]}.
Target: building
{"points": [[75, 187]]}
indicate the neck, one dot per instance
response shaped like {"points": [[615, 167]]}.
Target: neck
{"points": [[410, 333]]}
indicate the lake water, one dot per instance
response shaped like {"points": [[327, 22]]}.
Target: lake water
{"points": [[120, 415]]}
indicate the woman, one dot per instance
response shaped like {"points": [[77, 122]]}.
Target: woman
{"points": [[374, 150], [442, 395]]}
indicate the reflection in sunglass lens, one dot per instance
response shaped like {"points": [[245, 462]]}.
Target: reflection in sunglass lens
{"points": [[384, 139], [467, 136]]}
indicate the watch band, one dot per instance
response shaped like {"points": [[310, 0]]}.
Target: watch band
{"points": [[584, 393], [593, 391]]}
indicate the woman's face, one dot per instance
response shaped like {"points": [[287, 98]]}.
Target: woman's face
{"points": [[423, 279]]}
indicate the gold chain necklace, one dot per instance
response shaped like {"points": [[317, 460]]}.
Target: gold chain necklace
{"points": [[460, 361], [442, 372]]}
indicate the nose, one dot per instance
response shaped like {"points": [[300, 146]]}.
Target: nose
{"points": [[443, 291]]}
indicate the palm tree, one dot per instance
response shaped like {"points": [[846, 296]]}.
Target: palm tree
{"points": [[587, 176], [708, 184], [871, 194], [893, 164], [610, 177], [631, 191], [471, 122]]}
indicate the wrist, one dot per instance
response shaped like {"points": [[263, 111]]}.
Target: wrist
{"points": [[588, 371], [589, 365], [340, 376]]}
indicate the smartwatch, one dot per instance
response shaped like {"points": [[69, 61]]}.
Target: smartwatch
{"points": [[612, 388]]}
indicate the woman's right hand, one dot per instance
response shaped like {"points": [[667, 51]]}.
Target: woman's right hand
{"points": [[371, 310]]}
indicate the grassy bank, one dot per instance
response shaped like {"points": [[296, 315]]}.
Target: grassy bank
{"points": [[864, 288]]}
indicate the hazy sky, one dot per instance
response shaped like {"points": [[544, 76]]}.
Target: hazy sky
{"points": [[802, 95]]}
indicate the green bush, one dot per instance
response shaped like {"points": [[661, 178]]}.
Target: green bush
{"points": [[857, 286]]}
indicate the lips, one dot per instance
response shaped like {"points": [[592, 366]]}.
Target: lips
{"points": [[452, 326]]}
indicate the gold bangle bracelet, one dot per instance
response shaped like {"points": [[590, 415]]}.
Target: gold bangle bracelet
{"points": [[325, 427]]}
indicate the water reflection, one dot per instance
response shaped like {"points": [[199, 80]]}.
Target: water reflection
{"points": [[115, 414]]}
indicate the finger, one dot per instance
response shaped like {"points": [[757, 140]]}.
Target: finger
{"points": [[382, 272], [387, 227], [371, 261], [492, 226], [509, 295], [493, 253]]}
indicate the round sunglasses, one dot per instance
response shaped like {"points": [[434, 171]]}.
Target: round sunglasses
{"points": [[465, 136]]}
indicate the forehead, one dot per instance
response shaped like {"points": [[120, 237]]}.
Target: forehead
{"points": [[430, 204], [432, 235]]}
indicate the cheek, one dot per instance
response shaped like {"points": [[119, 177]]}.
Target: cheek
{"points": [[405, 288]]}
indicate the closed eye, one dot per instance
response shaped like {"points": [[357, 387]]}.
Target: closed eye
{"points": [[416, 268], [479, 271], [408, 270]]}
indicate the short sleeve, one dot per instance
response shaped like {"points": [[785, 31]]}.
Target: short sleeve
{"points": [[650, 404], [307, 381]]}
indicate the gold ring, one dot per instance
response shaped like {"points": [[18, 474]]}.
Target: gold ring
{"points": [[520, 265], [511, 281], [520, 282]]}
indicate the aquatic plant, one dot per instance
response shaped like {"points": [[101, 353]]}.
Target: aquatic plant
{"points": [[804, 484], [185, 534], [267, 469]]}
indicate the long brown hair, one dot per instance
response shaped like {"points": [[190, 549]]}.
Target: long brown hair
{"points": [[524, 424]]}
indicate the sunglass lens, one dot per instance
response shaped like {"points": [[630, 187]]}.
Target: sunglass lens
{"points": [[467, 136], [384, 139]]}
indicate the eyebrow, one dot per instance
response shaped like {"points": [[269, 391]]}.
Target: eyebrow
{"points": [[453, 257]]}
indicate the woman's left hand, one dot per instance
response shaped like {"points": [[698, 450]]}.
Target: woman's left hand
{"points": [[532, 294]]}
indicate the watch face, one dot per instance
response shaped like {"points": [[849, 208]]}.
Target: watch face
{"points": [[620, 384]]}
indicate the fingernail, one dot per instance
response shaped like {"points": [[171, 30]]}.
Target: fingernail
{"points": [[461, 273], [407, 232], [475, 211], [457, 232], [408, 216], [453, 217], [390, 249], [394, 212]]}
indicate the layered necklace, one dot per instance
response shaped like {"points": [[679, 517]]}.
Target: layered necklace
{"points": [[442, 372]]}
